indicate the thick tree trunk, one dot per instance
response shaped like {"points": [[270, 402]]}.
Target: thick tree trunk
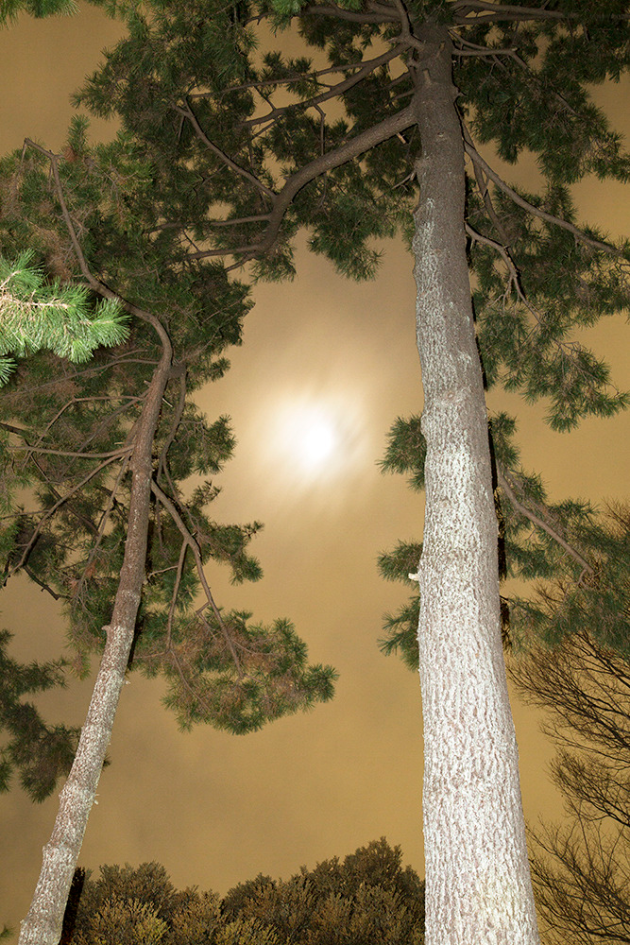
{"points": [[478, 887], [42, 925]]}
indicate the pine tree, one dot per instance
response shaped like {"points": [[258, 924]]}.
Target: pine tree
{"points": [[103, 449], [36, 314], [380, 133]]}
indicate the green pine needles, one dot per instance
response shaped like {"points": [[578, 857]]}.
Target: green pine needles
{"points": [[35, 314], [10, 9]]}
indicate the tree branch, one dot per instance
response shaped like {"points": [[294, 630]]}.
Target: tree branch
{"points": [[504, 11], [540, 523], [369, 66], [194, 547], [49, 513], [96, 284], [326, 162], [377, 13], [536, 211], [187, 112], [113, 454]]}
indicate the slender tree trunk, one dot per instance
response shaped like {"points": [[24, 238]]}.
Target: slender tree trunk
{"points": [[478, 887], [43, 924]]}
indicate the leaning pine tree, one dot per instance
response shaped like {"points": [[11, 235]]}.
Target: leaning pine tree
{"points": [[380, 132], [104, 449]]}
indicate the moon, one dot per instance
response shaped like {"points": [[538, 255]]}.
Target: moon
{"points": [[310, 437], [310, 440]]}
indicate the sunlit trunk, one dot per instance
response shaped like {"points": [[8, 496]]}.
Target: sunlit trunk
{"points": [[43, 924], [478, 888]]}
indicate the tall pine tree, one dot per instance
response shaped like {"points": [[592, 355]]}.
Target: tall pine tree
{"points": [[94, 460], [380, 132]]}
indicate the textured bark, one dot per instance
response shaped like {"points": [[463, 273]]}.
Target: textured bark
{"points": [[43, 924], [478, 887]]}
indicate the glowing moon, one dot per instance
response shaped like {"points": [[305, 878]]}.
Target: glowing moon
{"points": [[310, 436], [313, 438]]}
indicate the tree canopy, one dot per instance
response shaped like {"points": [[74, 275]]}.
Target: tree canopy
{"points": [[248, 144], [367, 895]]}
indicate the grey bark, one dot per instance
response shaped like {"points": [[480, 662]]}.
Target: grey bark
{"points": [[43, 923], [478, 886]]}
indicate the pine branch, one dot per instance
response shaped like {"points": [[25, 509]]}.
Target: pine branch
{"points": [[162, 464], [27, 448], [50, 512], [503, 11], [36, 315], [536, 211], [186, 112], [326, 162], [365, 69], [44, 586], [284, 80], [169, 505], [100, 533], [542, 524], [376, 13], [96, 284]]}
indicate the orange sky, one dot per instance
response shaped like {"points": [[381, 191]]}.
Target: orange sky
{"points": [[213, 808]]}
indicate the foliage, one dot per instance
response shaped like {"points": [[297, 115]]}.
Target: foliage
{"points": [[142, 906], [581, 869], [36, 315], [39, 752], [366, 897], [226, 152], [251, 112], [10, 9], [67, 433], [578, 556]]}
